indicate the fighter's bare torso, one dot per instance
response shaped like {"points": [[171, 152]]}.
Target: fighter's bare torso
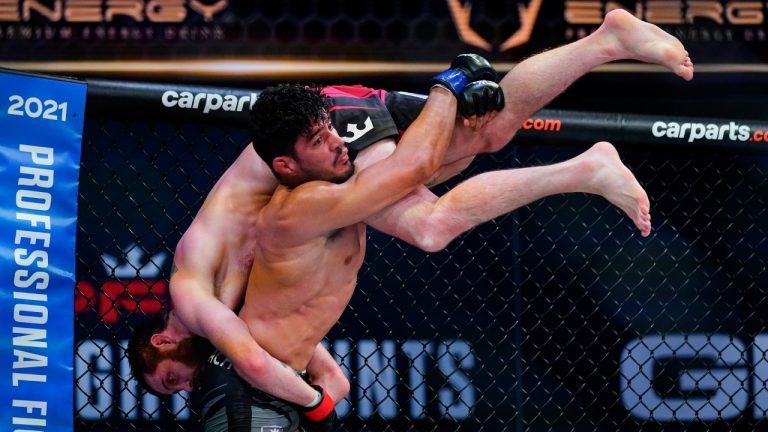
{"points": [[291, 305], [220, 242], [295, 295]]}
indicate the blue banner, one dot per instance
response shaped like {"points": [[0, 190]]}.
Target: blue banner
{"points": [[41, 121]]}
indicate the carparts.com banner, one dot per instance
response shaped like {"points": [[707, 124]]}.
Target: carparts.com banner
{"points": [[646, 130]]}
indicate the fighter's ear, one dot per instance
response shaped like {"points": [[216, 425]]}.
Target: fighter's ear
{"points": [[284, 165], [160, 339]]}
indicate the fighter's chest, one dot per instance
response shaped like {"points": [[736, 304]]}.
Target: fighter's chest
{"points": [[347, 240]]}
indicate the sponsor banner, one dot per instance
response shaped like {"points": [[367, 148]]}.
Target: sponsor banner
{"points": [[715, 31], [711, 373], [439, 369], [42, 122], [230, 106], [219, 105], [648, 130]]}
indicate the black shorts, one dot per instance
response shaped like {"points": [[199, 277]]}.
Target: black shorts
{"points": [[363, 116], [224, 402], [404, 107]]}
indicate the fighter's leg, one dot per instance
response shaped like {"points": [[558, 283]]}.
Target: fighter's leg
{"points": [[448, 171], [430, 223], [533, 83]]}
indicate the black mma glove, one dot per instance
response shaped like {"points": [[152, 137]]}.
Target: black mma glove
{"points": [[465, 68], [320, 417], [479, 98]]}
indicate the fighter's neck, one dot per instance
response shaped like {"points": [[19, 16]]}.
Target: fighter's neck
{"points": [[175, 325]]}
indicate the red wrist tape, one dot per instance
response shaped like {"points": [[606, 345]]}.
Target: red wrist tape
{"points": [[322, 410]]}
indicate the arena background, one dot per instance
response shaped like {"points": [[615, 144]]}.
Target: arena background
{"points": [[556, 318]]}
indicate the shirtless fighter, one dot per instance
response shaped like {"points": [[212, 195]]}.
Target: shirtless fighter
{"points": [[229, 405], [424, 220]]}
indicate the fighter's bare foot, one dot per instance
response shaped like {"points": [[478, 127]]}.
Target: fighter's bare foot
{"points": [[611, 179], [639, 40]]}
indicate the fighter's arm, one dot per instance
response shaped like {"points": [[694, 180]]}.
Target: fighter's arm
{"points": [[380, 150], [211, 319], [413, 218], [418, 155], [324, 371], [417, 219]]}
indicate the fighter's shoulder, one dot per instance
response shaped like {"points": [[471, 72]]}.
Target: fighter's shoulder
{"points": [[282, 204], [198, 248], [197, 231], [287, 210]]}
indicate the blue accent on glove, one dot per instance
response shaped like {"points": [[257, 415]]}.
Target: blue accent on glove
{"points": [[452, 79]]}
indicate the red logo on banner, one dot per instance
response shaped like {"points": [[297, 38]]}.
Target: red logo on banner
{"points": [[137, 287], [116, 299]]}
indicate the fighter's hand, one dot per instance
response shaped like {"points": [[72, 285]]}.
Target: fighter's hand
{"points": [[474, 67], [478, 123], [479, 102], [321, 417], [465, 69]]}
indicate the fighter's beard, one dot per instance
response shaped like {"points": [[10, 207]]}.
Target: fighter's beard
{"points": [[344, 177], [192, 351]]}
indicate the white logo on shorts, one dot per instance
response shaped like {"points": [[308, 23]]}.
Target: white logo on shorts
{"points": [[356, 131], [271, 429]]}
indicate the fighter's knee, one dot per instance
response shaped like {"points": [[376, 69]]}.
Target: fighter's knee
{"points": [[494, 146], [491, 143], [431, 244], [433, 236], [499, 142]]}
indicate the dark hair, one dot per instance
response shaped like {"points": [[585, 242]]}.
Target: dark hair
{"points": [[281, 115], [143, 357]]}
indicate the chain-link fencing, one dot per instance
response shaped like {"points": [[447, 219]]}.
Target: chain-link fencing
{"points": [[557, 317]]}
